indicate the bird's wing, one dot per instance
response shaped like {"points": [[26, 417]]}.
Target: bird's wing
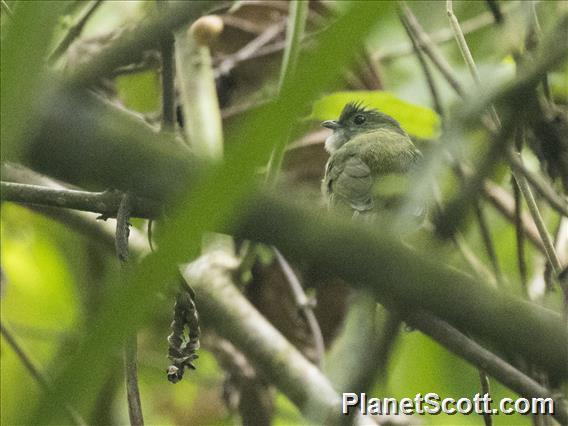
{"points": [[348, 181]]}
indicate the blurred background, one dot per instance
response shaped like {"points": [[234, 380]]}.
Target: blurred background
{"points": [[51, 275]]}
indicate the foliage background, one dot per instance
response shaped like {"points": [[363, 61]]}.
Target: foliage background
{"points": [[52, 276]]}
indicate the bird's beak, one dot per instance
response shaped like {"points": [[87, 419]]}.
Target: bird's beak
{"points": [[330, 124]]}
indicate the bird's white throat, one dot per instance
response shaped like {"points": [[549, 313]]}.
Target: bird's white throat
{"points": [[334, 142]]}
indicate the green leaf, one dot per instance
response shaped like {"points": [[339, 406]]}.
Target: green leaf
{"points": [[417, 120]]}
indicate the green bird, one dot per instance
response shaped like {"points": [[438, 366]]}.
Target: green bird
{"points": [[366, 146]]}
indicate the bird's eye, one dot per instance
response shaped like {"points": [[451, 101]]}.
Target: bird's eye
{"points": [[359, 119]]}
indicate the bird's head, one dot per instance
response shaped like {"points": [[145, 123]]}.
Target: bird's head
{"points": [[354, 120]]}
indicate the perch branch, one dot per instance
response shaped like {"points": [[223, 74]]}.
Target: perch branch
{"points": [[105, 203], [410, 280], [461, 345]]}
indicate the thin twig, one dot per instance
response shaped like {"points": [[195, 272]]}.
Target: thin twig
{"points": [[265, 50], [487, 240], [520, 237], [474, 353], [24, 358], [431, 50], [130, 346], [485, 390], [505, 204], [476, 265], [418, 49], [243, 24], [438, 107], [74, 31], [131, 374], [544, 234], [249, 49], [83, 222], [437, 58], [462, 44], [36, 374], [123, 227], [563, 279], [521, 180], [303, 303], [539, 184], [469, 256], [441, 36], [468, 58]]}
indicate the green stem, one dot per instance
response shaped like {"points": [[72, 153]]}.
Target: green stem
{"points": [[297, 19]]}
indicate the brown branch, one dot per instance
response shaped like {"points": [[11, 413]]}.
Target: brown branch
{"points": [[409, 280], [474, 353], [105, 203], [83, 222], [250, 49]]}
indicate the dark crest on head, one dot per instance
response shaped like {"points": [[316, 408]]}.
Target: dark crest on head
{"points": [[352, 109]]}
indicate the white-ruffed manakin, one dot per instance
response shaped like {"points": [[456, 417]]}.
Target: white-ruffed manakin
{"points": [[366, 146]]}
